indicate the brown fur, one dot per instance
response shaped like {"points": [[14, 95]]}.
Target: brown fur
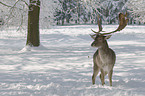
{"points": [[104, 59]]}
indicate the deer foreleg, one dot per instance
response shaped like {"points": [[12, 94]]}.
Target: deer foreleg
{"points": [[102, 77], [95, 73]]}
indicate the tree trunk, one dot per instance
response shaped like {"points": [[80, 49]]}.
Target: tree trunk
{"points": [[33, 23]]}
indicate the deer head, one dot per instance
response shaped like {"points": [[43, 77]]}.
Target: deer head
{"points": [[100, 41], [100, 38]]}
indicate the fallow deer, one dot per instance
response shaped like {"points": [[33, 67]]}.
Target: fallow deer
{"points": [[104, 58]]}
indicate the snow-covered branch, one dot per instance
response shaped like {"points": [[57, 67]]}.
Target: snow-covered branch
{"points": [[137, 8], [14, 12], [5, 4]]}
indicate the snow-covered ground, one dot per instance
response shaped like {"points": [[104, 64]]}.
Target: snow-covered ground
{"points": [[63, 65]]}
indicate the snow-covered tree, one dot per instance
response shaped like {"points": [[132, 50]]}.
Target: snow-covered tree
{"points": [[70, 12], [111, 8], [33, 23], [64, 14], [16, 12], [33, 19], [92, 9], [79, 14], [107, 9], [137, 8], [48, 9]]}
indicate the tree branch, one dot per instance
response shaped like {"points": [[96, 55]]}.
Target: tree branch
{"points": [[20, 26], [11, 10], [5, 4], [26, 3]]}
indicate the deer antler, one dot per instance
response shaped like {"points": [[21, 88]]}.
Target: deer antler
{"points": [[123, 20], [99, 24]]}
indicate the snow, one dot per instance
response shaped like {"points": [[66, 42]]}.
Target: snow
{"points": [[62, 65]]}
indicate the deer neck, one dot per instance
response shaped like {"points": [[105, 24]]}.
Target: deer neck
{"points": [[104, 48], [103, 53]]}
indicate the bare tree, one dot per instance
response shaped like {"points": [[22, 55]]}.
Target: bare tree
{"points": [[33, 23], [14, 12], [33, 19], [20, 12]]}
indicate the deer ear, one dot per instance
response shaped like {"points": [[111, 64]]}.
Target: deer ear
{"points": [[93, 36], [107, 37]]}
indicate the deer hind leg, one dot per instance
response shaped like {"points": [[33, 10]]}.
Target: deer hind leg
{"points": [[102, 76], [110, 77], [95, 73]]}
